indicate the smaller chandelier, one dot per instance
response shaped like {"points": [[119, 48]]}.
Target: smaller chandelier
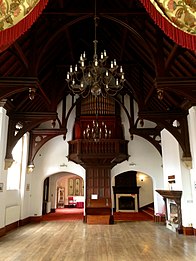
{"points": [[97, 131], [96, 77]]}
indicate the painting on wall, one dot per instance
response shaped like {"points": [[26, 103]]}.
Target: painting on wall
{"points": [[82, 188], [76, 187], [71, 187]]}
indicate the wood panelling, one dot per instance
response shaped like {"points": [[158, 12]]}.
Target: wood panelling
{"points": [[98, 211], [2, 231], [12, 226], [126, 179], [98, 219], [98, 182]]}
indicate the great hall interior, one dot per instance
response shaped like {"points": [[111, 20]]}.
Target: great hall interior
{"points": [[97, 113]]}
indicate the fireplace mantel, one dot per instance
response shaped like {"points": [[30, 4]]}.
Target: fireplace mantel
{"points": [[174, 195], [126, 191], [171, 194]]}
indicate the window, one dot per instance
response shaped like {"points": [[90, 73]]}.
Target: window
{"points": [[15, 171]]}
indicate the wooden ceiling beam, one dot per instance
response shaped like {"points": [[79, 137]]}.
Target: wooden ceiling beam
{"points": [[21, 55], [184, 86], [138, 11]]}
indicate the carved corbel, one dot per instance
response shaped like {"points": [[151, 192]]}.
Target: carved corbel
{"points": [[187, 162]]}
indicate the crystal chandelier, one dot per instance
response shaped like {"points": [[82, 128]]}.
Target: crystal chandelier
{"points": [[96, 77], [97, 131]]}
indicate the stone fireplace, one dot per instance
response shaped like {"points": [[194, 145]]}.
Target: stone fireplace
{"points": [[173, 213], [126, 203]]}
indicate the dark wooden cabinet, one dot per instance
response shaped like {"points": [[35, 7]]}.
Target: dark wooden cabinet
{"points": [[98, 211]]}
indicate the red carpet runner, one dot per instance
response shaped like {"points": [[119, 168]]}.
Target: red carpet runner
{"points": [[72, 214], [66, 214]]}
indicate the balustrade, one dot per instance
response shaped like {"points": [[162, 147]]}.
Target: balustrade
{"points": [[102, 146]]}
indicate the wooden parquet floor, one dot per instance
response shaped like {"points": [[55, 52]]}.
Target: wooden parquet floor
{"points": [[77, 241]]}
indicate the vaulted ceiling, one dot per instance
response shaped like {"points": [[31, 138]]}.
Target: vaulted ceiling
{"points": [[160, 75]]}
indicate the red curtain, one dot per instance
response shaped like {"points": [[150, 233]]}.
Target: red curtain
{"points": [[9, 35], [180, 37]]}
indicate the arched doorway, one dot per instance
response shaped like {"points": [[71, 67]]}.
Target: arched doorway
{"points": [[58, 189], [133, 197]]}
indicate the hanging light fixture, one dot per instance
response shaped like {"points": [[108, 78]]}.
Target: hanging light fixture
{"points": [[97, 131], [96, 77], [32, 93]]}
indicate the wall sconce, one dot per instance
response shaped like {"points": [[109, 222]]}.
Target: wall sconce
{"points": [[53, 124], [141, 178], [30, 168], [160, 94], [132, 164], [32, 93]]}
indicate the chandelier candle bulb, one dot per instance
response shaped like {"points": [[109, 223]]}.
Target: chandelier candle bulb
{"points": [[121, 69], [110, 133], [114, 62], [76, 68], [67, 76], [112, 65], [101, 56], [71, 70]]}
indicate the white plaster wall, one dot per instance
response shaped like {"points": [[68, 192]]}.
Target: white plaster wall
{"points": [[173, 165], [192, 136], [3, 172], [51, 159], [10, 197], [146, 193], [144, 155], [147, 160], [171, 160], [25, 183]]}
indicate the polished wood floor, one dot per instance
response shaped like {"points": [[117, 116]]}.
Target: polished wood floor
{"points": [[76, 241]]}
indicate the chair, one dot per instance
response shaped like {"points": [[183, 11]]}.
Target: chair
{"points": [[71, 202]]}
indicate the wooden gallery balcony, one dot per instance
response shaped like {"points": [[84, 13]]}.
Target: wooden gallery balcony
{"points": [[104, 152]]}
